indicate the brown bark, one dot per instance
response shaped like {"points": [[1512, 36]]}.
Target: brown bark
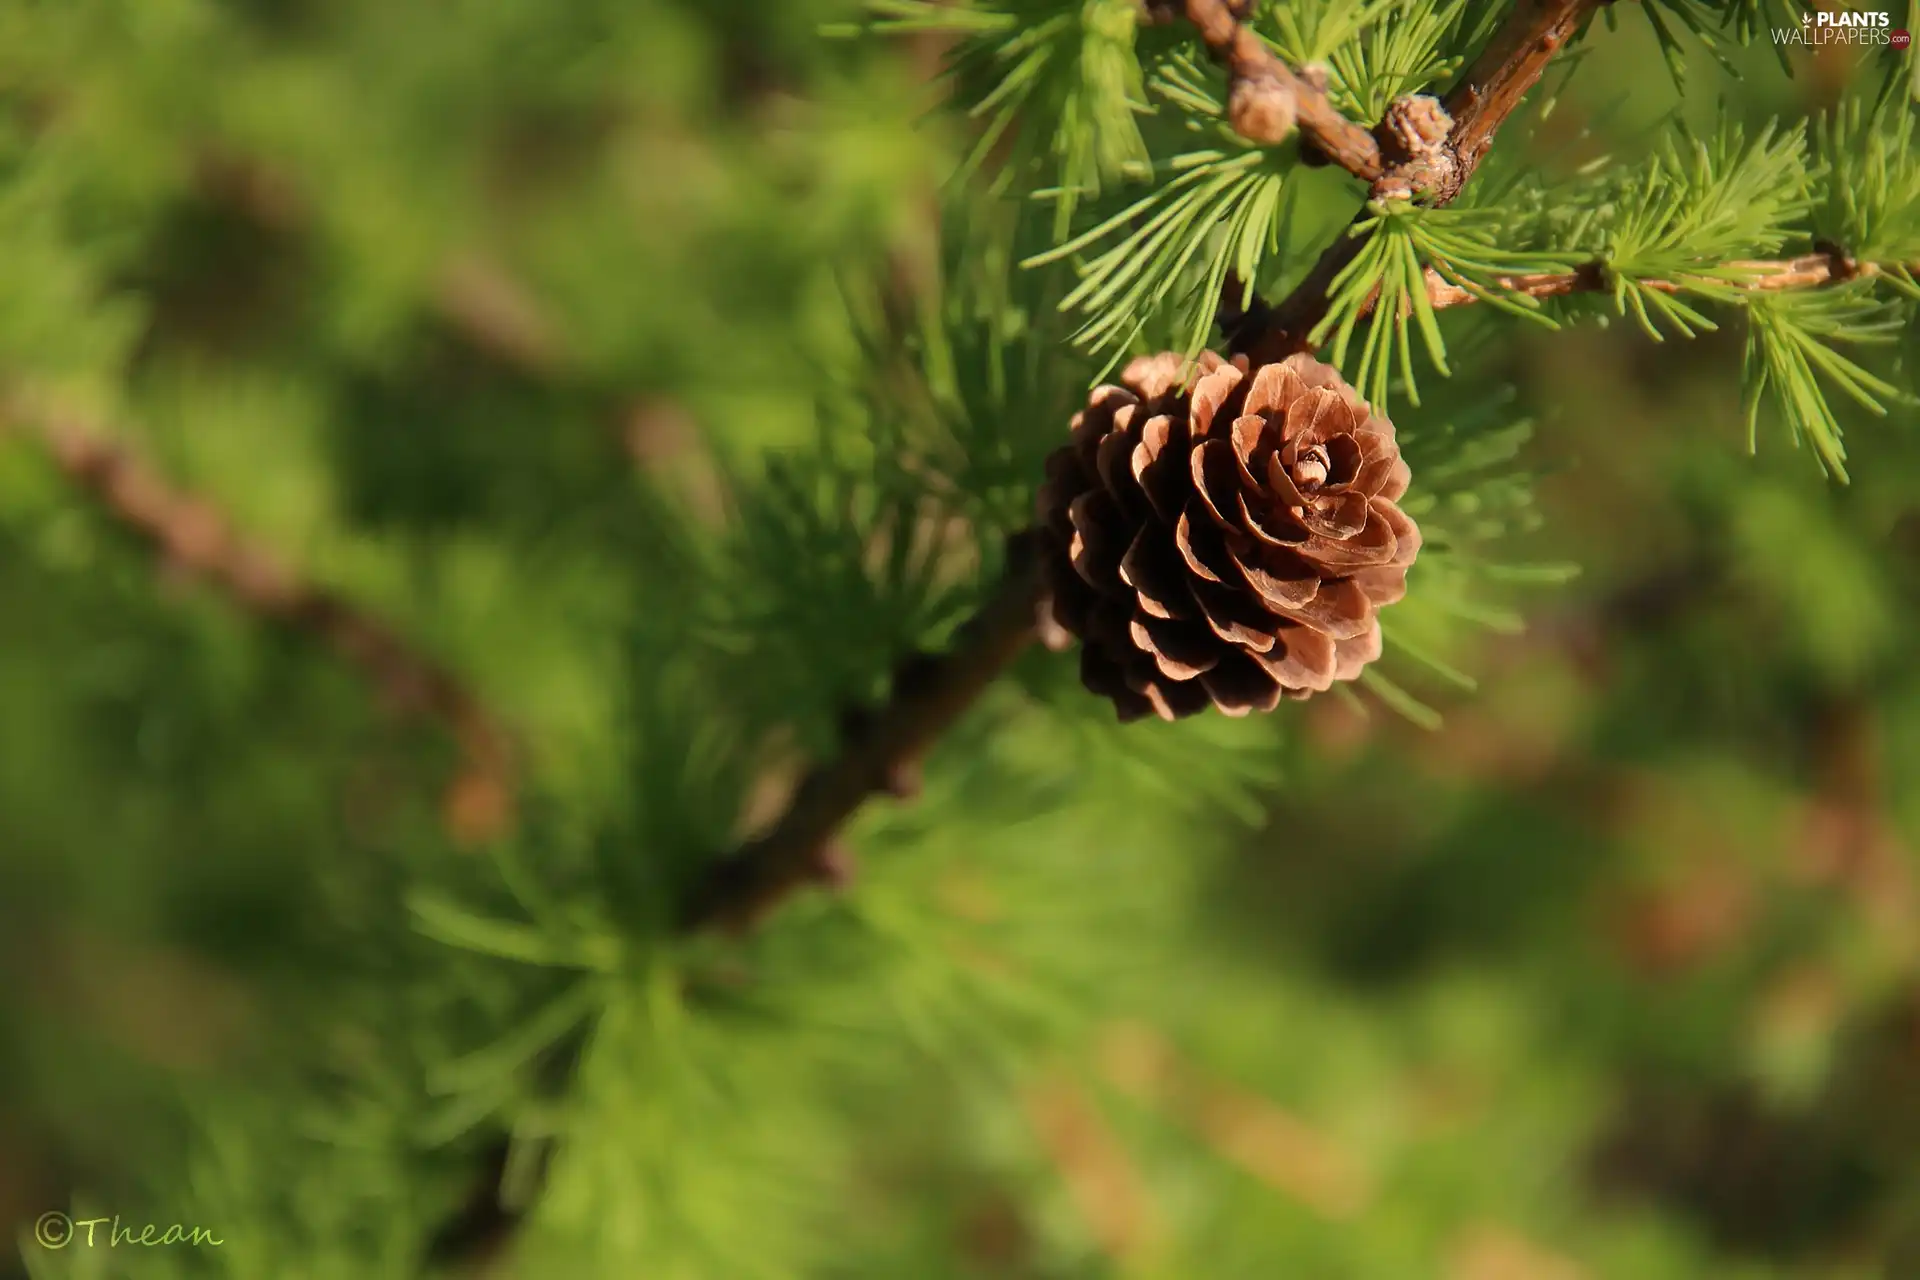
{"points": [[1808, 271], [1277, 97], [930, 693]]}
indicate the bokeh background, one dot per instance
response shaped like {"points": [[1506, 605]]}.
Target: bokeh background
{"points": [[378, 379]]}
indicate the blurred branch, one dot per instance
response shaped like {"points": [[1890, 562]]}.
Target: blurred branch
{"points": [[1242, 1127], [882, 757], [1491, 1251], [495, 312], [1511, 64], [193, 537], [1266, 98], [1100, 1175], [477, 296], [1851, 837]]}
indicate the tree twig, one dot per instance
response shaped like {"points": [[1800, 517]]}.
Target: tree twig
{"points": [[882, 757], [1808, 271], [1266, 98], [1511, 64], [194, 538]]}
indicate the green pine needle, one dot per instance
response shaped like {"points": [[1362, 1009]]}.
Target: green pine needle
{"points": [[1058, 80], [486, 1067], [1871, 204], [1219, 213], [1789, 354], [1398, 699], [447, 922], [1395, 57], [1386, 284], [1312, 31], [1427, 658], [1704, 202], [1747, 21]]}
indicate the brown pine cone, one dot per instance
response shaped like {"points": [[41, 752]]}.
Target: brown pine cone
{"points": [[1226, 546], [1161, 12]]}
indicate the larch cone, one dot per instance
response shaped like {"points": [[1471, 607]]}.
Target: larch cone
{"points": [[1225, 546]]}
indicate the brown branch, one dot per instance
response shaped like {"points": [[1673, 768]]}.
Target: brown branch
{"points": [[1100, 1174], [1511, 64], [195, 539], [929, 694], [1266, 99], [1808, 271]]}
